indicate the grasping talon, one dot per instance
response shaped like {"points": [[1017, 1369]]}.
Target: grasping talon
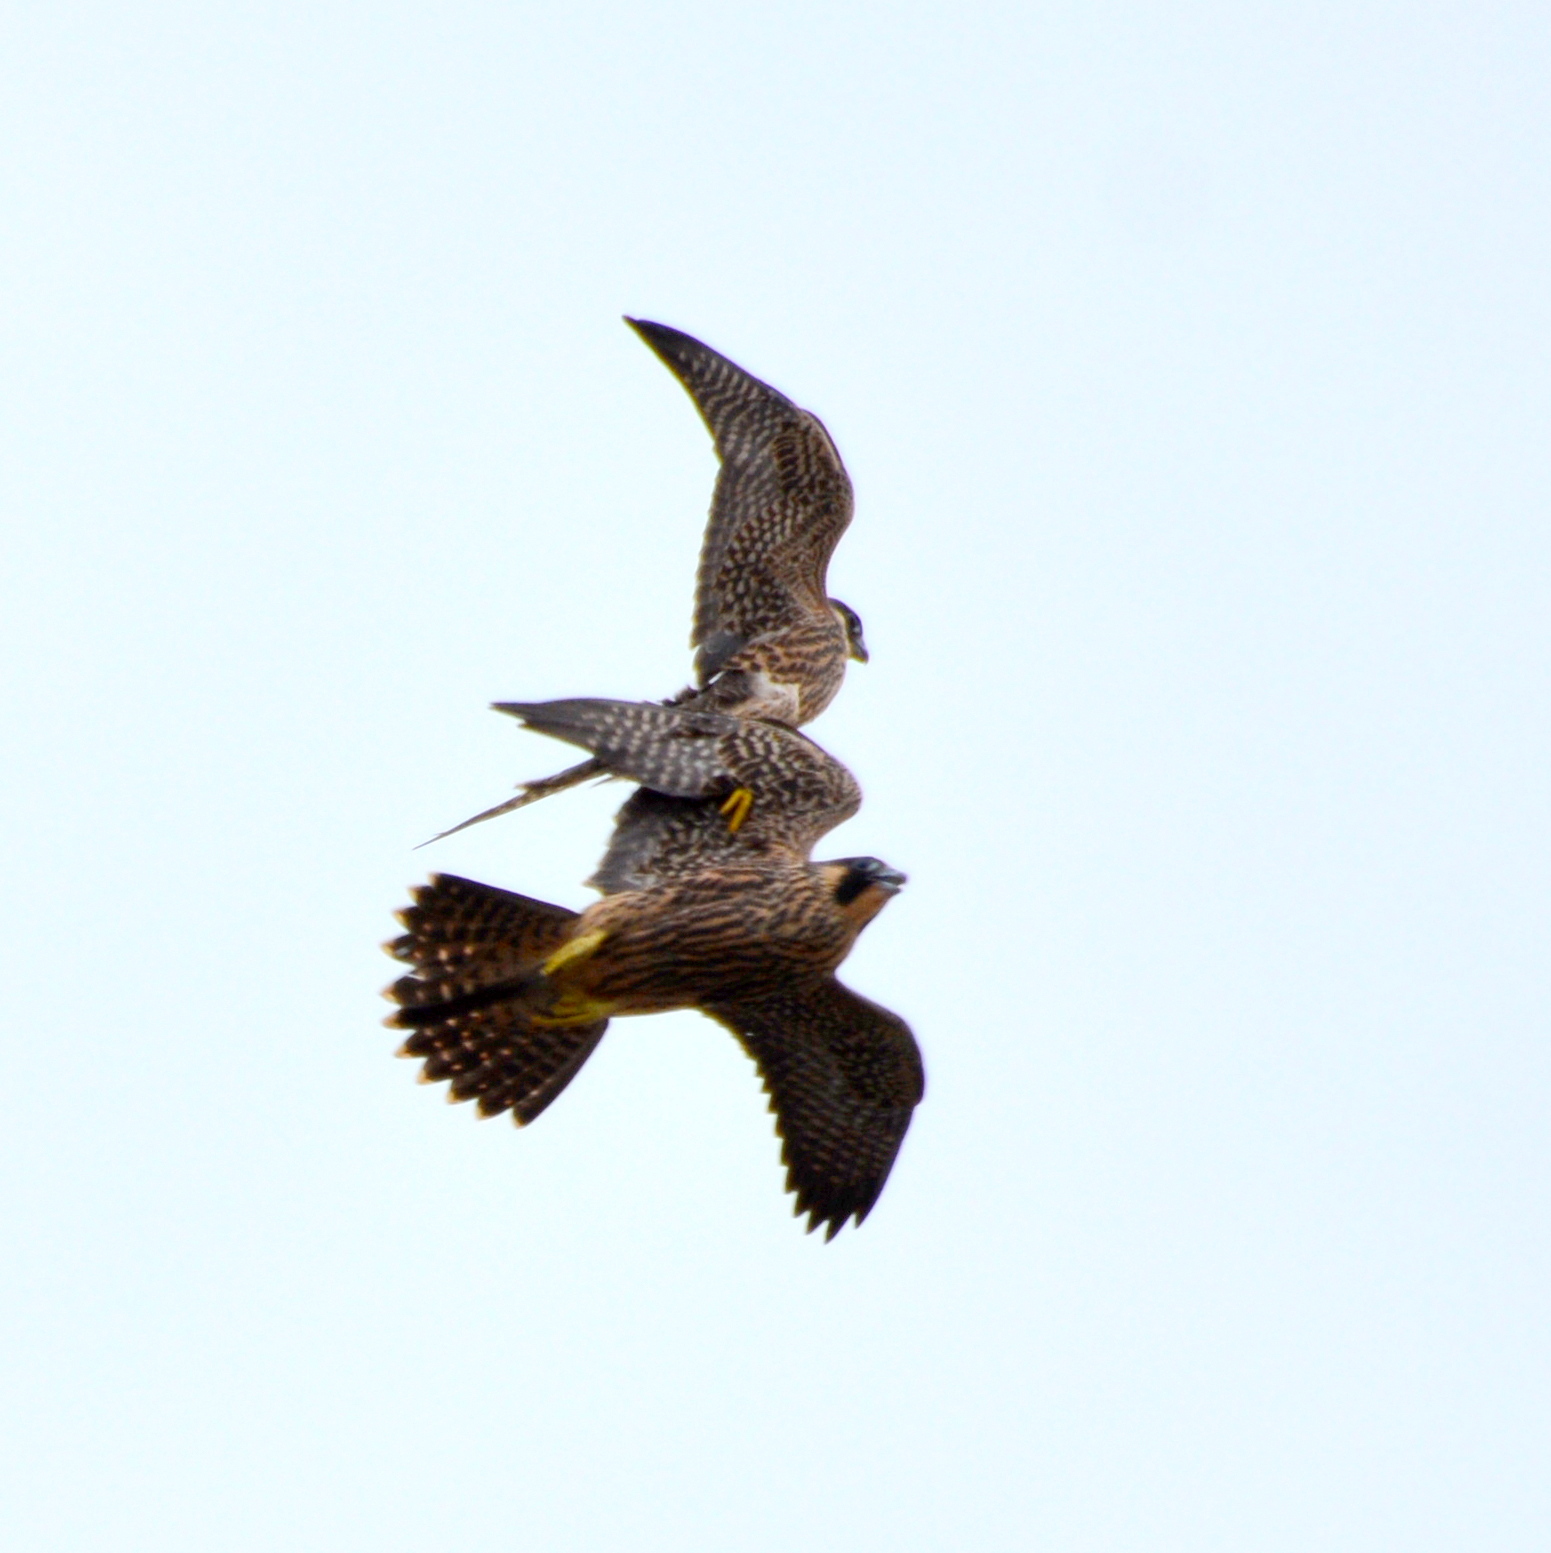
{"points": [[736, 808]]}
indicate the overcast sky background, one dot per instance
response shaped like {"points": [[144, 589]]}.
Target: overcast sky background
{"points": [[1191, 365]]}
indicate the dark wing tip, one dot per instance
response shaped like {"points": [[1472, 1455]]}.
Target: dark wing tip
{"points": [[659, 335], [834, 1214], [675, 348], [843, 1076], [687, 358], [721, 389], [833, 1222]]}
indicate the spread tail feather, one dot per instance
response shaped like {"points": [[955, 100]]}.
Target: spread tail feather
{"points": [[474, 949]]}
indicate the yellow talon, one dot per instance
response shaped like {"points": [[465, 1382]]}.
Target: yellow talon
{"points": [[736, 808], [577, 949], [572, 1008]]}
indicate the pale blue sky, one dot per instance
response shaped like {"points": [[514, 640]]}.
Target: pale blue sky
{"points": [[1191, 365]]}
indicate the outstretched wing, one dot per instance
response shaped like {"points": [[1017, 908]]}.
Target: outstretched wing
{"points": [[469, 945], [687, 760], [675, 750], [781, 503], [844, 1076]]}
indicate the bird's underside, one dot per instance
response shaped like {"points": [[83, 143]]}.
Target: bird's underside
{"points": [[505, 1001]]}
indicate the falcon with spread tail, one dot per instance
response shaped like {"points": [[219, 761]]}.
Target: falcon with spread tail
{"points": [[508, 996], [769, 641]]}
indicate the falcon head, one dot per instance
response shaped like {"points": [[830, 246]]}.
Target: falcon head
{"points": [[862, 886], [856, 643]]}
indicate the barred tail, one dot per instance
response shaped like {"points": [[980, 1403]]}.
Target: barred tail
{"points": [[473, 949], [672, 749]]}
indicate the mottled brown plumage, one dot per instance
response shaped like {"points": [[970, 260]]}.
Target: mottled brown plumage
{"points": [[781, 503], [464, 939], [769, 641], [690, 761], [753, 942], [710, 898], [844, 1076]]}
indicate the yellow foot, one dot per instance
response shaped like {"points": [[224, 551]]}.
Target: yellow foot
{"points": [[572, 1008], [737, 808], [577, 949]]}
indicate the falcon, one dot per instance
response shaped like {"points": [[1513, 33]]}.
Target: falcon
{"points": [[769, 641], [507, 997]]}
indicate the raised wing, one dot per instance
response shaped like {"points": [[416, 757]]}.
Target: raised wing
{"points": [[844, 1076], [781, 503]]}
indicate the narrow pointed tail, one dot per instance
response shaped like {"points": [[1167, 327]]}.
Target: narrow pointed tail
{"points": [[545, 787]]}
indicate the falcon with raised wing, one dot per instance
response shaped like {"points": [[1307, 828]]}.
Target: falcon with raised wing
{"points": [[769, 641]]}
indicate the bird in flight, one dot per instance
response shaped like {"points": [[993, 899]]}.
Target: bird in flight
{"points": [[769, 641], [507, 996]]}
